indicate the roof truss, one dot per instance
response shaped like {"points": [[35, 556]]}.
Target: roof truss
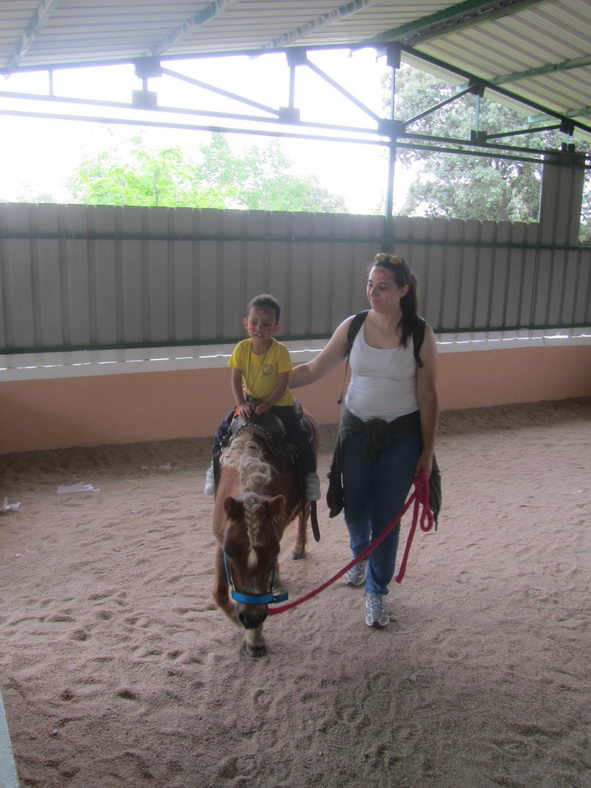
{"points": [[550, 68], [335, 15], [36, 24], [197, 20], [456, 17]]}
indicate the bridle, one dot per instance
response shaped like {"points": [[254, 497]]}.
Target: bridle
{"points": [[269, 598]]}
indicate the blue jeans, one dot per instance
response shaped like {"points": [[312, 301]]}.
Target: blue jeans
{"points": [[374, 493]]}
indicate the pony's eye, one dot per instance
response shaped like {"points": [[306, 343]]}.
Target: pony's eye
{"points": [[231, 549]]}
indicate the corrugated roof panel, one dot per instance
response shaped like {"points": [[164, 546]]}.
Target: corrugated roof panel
{"points": [[539, 34], [491, 53], [559, 92]]}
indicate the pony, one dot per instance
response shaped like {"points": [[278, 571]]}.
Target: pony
{"points": [[257, 497]]}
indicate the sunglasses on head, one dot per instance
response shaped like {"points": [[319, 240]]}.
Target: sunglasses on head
{"points": [[388, 258]]}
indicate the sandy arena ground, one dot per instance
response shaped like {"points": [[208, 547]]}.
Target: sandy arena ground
{"points": [[117, 670]]}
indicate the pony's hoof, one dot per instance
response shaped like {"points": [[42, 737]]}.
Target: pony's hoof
{"points": [[255, 651], [297, 553]]}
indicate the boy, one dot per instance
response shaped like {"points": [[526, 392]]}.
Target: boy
{"points": [[260, 372]]}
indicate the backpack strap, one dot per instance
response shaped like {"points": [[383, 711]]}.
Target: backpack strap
{"points": [[352, 331], [418, 336]]}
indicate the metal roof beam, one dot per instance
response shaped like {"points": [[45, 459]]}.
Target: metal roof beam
{"points": [[440, 104], [578, 112], [35, 26], [342, 90], [450, 20], [550, 68], [220, 91], [517, 132], [321, 21], [297, 135], [198, 20], [472, 79]]}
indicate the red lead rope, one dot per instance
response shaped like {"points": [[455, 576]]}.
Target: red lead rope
{"points": [[420, 497]]}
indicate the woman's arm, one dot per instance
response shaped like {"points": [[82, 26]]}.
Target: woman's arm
{"points": [[427, 400], [327, 359]]}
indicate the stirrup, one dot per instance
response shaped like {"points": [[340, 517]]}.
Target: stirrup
{"points": [[312, 487], [209, 488]]}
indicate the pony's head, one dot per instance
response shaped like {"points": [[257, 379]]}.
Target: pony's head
{"points": [[251, 548]]}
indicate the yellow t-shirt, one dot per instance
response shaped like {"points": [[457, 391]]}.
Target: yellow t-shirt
{"points": [[260, 373]]}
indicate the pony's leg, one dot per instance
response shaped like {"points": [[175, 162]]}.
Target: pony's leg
{"points": [[220, 588], [278, 579], [254, 642], [299, 548]]}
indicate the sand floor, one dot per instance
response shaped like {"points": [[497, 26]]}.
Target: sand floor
{"points": [[116, 669]]}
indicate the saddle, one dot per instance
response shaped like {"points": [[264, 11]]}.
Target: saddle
{"points": [[270, 429]]}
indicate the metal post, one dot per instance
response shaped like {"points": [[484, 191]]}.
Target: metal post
{"points": [[393, 55], [389, 218], [292, 70]]}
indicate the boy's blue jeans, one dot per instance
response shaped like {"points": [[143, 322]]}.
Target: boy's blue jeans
{"points": [[374, 493]]}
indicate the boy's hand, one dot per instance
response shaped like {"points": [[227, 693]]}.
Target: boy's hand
{"points": [[262, 407], [244, 410]]}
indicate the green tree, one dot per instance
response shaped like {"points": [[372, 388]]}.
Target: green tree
{"points": [[466, 187], [258, 180]]}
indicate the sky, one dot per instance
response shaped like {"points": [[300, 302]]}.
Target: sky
{"points": [[38, 155]]}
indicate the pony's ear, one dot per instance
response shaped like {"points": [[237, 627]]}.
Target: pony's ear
{"points": [[233, 507], [276, 506]]}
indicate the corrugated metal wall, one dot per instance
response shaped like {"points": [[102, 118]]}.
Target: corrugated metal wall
{"points": [[90, 277]]}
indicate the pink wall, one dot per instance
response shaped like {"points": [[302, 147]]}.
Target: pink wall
{"points": [[128, 408]]}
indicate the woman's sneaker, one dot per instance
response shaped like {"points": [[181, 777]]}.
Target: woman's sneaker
{"points": [[377, 613], [209, 488], [356, 575], [312, 491]]}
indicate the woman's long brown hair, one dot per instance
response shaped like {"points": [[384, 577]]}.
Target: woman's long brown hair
{"points": [[402, 275]]}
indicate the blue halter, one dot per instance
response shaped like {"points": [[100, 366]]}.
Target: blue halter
{"points": [[254, 599]]}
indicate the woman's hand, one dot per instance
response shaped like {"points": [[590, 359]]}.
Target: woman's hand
{"points": [[262, 407], [425, 463]]}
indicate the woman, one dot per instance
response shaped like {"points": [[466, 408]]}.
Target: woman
{"points": [[389, 421]]}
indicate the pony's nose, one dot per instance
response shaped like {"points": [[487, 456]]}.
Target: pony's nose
{"points": [[252, 617]]}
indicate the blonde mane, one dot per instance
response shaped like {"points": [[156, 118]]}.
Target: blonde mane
{"points": [[245, 455]]}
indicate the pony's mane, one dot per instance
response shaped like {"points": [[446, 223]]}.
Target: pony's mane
{"points": [[245, 455]]}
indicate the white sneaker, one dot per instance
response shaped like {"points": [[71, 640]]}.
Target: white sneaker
{"points": [[356, 575], [209, 488], [377, 613], [312, 491]]}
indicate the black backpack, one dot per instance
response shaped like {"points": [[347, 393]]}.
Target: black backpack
{"points": [[418, 335]]}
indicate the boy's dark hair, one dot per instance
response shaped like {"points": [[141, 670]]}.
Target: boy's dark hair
{"points": [[265, 301]]}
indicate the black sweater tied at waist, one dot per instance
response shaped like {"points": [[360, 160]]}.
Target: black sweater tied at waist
{"points": [[379, 437]]}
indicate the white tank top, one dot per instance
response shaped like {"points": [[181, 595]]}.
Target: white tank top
{"points": [[383, 382]]}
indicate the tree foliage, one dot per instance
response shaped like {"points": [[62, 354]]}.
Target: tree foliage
{"points": [[467, 187], [260, 179]]}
